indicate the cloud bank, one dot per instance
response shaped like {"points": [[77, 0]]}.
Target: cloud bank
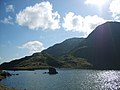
{"points": [[115, 9], [78, 23], [32, 46], [39, 16]]}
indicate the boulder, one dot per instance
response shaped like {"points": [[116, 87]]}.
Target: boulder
{"points": [[52, 70]]}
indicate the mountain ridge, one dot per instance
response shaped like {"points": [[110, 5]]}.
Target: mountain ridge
{"points": [[44, 59], [100, 50], [64, 47]]}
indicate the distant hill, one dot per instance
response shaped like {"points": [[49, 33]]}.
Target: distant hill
{"points": [[35, 61], [55, 56], [63, 48], [100, 50], [102, 47]]}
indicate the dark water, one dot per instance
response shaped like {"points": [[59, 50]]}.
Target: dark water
{"points": [[74, 79]]}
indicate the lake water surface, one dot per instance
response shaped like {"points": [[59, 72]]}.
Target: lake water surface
{"points": [[66, 79]]}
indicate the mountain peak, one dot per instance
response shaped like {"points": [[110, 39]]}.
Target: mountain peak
{"points": [[102, 46]]}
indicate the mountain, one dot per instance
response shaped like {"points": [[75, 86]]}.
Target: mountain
{"points": [[35, 61], [100, 50], [55, 56], [63, 48], [101, 47]]}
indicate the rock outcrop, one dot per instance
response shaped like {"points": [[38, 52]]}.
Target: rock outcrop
{"points": [[52, 70]]}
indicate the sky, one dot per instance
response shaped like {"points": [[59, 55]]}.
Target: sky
{"points": [[29, 26]]}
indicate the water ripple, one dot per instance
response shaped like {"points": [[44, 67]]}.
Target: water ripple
{"points": [[74, 79]]}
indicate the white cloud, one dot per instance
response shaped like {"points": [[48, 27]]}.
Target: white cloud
{"points": [[96, 2], [7, 20], [72, 22], [39, 16], [9, 8], [0, 58], [32, 46], [81, 24], [115, 9]]}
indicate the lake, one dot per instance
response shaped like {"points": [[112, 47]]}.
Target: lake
{"points": [[66, 79]]}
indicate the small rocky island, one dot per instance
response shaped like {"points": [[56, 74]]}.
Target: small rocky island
{"points": [[52, 70]]}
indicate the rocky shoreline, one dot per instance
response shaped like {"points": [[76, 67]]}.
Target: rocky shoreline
{"points": [[2, 76], [3, 87]]}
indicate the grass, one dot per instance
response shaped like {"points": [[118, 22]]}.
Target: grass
{"points": [[2, 87], [29, 68], [1, 77]]}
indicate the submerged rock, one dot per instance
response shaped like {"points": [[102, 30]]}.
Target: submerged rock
{"points": [[45, 73], [52, 70]]}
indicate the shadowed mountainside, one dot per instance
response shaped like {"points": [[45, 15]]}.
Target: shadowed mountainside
{"points": [[102, 47], [63, 48]]}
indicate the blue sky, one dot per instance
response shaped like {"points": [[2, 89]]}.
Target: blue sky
{"points": [[28, 26]]}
